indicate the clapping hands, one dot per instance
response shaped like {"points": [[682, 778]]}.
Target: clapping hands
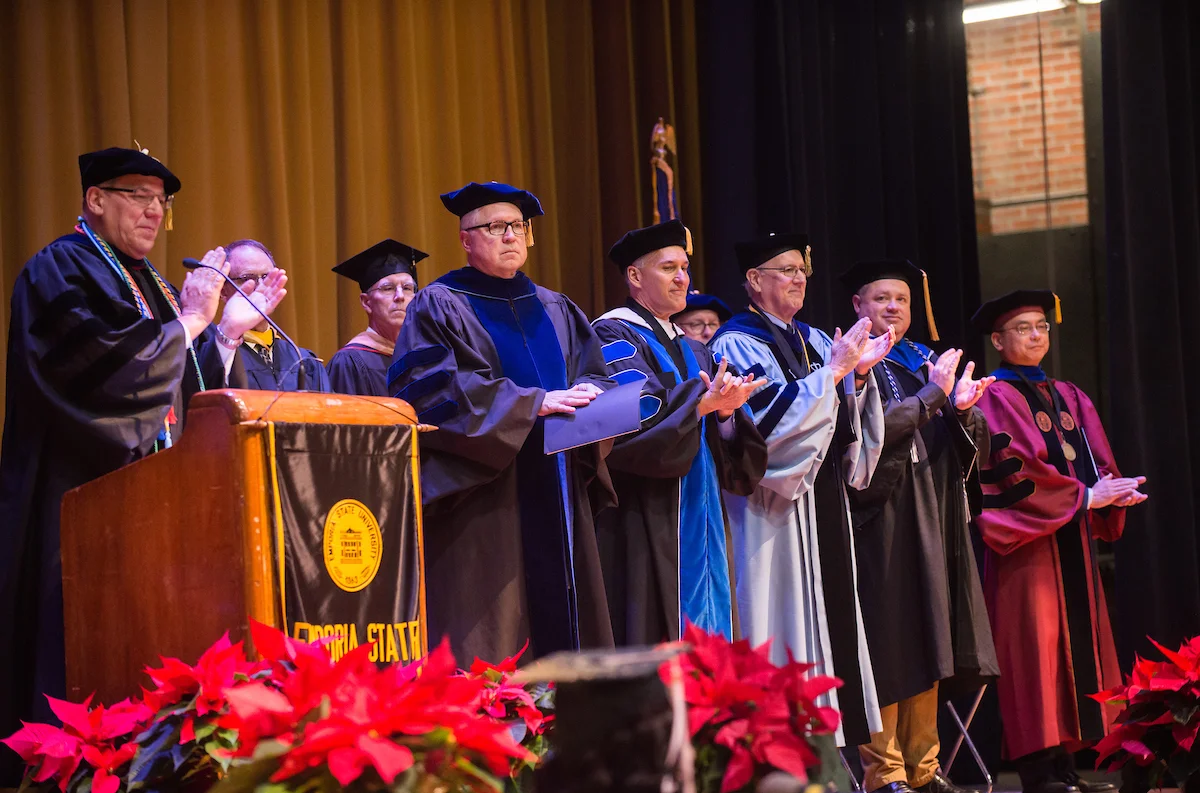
{"points": [[726, 392]]}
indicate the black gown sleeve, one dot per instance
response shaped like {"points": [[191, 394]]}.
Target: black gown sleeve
{"points": [[670, 436], [104, 369], [482, 417]]}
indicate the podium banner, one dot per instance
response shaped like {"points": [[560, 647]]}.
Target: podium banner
{"points": [[349, 549]]}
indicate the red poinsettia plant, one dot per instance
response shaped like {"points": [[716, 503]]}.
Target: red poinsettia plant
{"points": [[296, 720], [1160, 719], [748, 717]]}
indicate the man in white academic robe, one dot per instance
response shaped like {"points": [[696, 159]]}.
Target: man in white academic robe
{"points": [[821, 416]]}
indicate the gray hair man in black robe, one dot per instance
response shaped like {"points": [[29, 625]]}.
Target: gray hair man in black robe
{"points": [[664, 546], [387, 275], [485, 354], [103, 355], [923, 605], [272, 363]]}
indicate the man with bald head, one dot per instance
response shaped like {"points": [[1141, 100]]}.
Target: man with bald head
{"points": [[103, 355], [666, 557], [486, 355], [272, 363]]}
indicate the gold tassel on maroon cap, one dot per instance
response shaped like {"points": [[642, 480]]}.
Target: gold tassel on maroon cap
{"points": [[169, 220], [1057, 310], [933, 334]]}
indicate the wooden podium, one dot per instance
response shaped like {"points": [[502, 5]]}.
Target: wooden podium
{"points": [[164, 555]]}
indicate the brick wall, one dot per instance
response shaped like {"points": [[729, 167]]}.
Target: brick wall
{"points": [[1006, 118]]}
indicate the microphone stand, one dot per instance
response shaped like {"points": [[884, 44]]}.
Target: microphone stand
{"points": [[301, 378]]}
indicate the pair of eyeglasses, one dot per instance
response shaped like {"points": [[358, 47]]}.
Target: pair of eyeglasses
{"points": [[242, 280], [1025, 328], [498, 228], [789, 273], [143, 198], [389, 290], [699, 326]]}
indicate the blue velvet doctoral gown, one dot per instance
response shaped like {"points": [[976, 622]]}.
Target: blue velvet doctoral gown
{"points": [[510, 548]]}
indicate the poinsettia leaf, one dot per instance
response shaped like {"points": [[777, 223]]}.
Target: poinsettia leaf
{"points": [[469, 768], [204, 730], [1184, 713], [246, 777], [830, 771], [269, 749], [179, 755], [152, 747], [1183, 765], [739, 771]]}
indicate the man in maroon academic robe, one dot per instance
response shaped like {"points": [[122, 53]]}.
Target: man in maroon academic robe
{"points": [[1051, 489]]}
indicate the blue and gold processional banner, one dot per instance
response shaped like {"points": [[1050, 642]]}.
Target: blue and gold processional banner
{"points": [[349, 549]]}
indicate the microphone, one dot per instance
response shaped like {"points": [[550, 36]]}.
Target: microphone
{"points": [[301, 380]]}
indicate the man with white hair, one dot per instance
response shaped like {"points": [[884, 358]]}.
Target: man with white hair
{"points": [[486, 354], [821, 416]]}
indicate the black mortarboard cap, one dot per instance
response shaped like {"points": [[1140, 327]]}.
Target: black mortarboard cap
{"points": [[752, 253], [700, 302], [379, 261], [996, 312], [637, 243], [473, 196], [97, 167]]}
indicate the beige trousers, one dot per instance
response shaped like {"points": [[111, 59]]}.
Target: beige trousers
{"points": [[906, 750]]}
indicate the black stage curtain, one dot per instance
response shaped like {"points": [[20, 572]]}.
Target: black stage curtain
{"points": [[846, 119], [1151, 76]]}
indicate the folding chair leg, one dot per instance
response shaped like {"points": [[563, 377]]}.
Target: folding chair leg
{"points": [[853, 779], [964, 736]]}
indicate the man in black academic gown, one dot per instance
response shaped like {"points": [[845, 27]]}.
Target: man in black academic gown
{"points": [[485, 354], [271, 362], [387, 275], [663, 547], [923, 605], [102, 357]]}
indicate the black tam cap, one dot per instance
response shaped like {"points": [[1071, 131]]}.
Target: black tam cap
{"points": [[865, 273], [637, 243], [701, 302], [473, 196], [752, 253], [97, 167], [379, 261], [995, 313]]}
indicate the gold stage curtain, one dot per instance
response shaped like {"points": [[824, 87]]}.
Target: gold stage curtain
{"points": [[322, 126]]}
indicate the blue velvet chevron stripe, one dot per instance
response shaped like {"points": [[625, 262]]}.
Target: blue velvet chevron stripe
{"points": [[704, 594], [414, 358], [775, 414], [619, 350]]}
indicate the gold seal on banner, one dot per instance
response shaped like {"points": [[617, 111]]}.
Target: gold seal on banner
{"points": [[353, 545]]}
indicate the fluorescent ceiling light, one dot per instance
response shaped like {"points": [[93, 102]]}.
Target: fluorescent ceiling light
{"points": [[986, 12]]}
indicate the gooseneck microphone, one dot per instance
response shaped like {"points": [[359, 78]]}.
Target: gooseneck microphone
{"points": [[301, 379]]}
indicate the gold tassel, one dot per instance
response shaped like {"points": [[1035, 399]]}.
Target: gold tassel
{"points": [[169, 221], [808, 270], [933, 334], [1057, 310], [688, 233], [529, 233]]}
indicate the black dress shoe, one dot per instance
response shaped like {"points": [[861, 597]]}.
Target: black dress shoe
{"points": [[893, 787], [1040, 773], [941, 784], [1064, 766]]}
